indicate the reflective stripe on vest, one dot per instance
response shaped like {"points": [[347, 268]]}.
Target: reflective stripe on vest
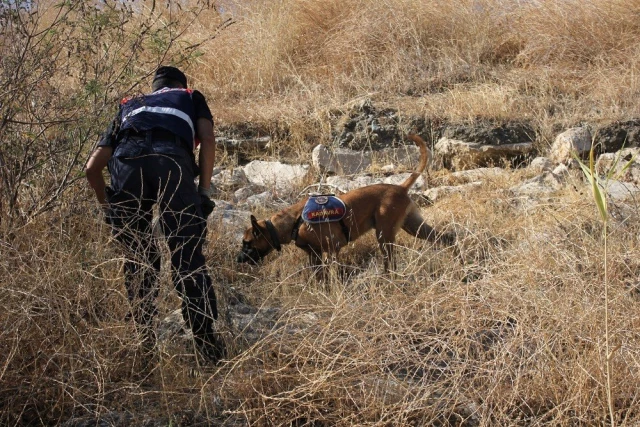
{"points": [[163, 110]]}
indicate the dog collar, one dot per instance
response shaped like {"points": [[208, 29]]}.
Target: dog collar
{"points": [[274, 235]]}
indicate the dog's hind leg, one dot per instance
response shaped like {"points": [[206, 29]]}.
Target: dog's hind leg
{"points": [[386, 241], [415, 225], [386, 231]]}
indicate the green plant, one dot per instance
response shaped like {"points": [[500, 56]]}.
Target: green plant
{"points": [[598, 187]]}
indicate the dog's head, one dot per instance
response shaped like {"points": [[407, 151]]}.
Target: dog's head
{"points": [[258, 241]]}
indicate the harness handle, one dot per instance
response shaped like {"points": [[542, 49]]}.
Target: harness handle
{"points": [[318, 186]]}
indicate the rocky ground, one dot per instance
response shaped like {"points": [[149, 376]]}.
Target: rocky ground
{"points": [[368, 147]]}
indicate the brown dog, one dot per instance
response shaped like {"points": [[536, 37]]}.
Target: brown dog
{"points": [[385, 207]]}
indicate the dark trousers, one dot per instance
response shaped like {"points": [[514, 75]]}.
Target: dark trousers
{"points": [[137, 184]]}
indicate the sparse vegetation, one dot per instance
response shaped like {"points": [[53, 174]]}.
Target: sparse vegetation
{"points": [[510, 331]]}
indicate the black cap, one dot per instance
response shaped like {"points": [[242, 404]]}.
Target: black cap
{"points": [[167, 72]]}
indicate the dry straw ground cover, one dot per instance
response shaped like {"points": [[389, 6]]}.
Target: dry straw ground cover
{"points": [[507, 330]]}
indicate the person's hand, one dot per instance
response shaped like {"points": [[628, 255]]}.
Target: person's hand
{"points": [[206, 203]]}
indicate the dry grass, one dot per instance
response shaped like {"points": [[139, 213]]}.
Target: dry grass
{"points": [[548, 62], [509, 333], [512, 334]]}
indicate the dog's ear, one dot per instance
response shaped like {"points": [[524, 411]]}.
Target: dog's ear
{"points": [[254, 223]]}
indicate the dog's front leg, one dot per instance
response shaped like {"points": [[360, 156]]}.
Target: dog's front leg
{"points": [[315, 262]]}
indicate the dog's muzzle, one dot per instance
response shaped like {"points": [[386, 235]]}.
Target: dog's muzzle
{"points": [[248, 255]]}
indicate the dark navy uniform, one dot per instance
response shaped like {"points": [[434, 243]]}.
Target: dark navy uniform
{"points": [[153, 138]]}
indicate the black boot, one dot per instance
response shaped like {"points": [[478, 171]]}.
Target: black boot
{"points": [[211, 347]]}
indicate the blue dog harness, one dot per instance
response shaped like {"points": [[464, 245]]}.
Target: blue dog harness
{"points": [[321, 209]]}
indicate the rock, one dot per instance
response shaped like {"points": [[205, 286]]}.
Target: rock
{"points": [[230, 179], [243, 144], [623, 165], [221, 206], [546, 183], [246, 322], [340, 161], [259, 200], [366, 127], [575, 140], [618, 190], [478, 174], [172, 325], [541, 164], [242, 194], [487, 133], [436, 193], [226, 219], [561, 170], [617, 135], [461, 155], [343, 184], [406, 156], [275, 175], [484, 144], [399, 178]]}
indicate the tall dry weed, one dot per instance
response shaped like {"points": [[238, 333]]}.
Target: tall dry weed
{"points": [[548, 62]]}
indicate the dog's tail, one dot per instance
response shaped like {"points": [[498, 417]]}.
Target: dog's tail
{"points": [[424, 159]]}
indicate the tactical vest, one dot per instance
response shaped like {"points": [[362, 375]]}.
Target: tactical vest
{"points": [[170, 109]]}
